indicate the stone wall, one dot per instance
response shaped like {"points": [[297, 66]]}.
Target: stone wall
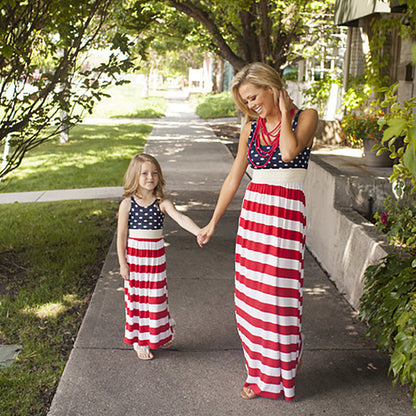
{"points": [[328, 132]]}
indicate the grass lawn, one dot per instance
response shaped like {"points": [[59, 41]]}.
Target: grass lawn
{"points": [[127, 101], [96, 155], [50, 257]]}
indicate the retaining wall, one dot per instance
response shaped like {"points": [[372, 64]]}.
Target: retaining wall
{"points": [[342, 240]]}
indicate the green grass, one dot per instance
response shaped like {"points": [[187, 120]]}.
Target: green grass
{"points": [[152, 107], [127, 101], [215, 105], [96, 155], [50, 257]]}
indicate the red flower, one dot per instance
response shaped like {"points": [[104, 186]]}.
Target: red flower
{"points": [[384, 217]]}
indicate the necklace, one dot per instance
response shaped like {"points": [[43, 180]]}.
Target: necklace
{"points": [[271, 138]]}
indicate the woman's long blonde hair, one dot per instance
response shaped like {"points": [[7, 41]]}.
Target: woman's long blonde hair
{"points": [[260, 75], [131, 177]]}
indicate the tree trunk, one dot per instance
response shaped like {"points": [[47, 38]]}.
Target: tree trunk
{"points": [[218, 75], [64, 130]]}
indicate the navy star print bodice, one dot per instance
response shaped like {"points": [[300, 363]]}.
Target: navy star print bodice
{"points": [[145, 218], [276, 162]]}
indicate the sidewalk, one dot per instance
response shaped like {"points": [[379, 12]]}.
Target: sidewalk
{"points": [[342, 374]]}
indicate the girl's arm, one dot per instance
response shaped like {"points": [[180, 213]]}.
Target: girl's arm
{"points": [[183, 220], [230, 185], [293, 142], [122, 228]]}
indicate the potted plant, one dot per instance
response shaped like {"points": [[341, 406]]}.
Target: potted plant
{"points": [[364, 130]]}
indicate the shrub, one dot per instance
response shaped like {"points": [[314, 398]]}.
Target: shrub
{"points": [[216, 105], [388, 305]]}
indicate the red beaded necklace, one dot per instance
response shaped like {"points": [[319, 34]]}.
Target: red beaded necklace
{"points": [[271, 139]]}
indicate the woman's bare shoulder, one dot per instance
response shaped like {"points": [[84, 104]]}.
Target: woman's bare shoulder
{"points": [[309, 114]]}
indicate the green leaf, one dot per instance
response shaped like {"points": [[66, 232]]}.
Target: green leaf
{"points": [[7, 51], [409, 158], [396, 362], [396, 127]]}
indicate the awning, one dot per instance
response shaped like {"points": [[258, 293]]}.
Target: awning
{"points": [[347, 12]]}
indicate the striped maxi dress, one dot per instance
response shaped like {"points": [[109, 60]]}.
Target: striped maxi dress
{"points": [[148, 321], [269, 272]]}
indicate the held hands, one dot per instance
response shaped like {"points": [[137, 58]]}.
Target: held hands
{"points": [[204, 236]]}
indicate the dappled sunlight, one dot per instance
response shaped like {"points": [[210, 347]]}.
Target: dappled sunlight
{"points": [[172, 151], [316, 291], [208, 140], [193, 204], [49, 310], [370, 367], [340, 151], [52, 309]]}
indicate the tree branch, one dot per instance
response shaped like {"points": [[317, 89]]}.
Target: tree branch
{"points": [[202, 17]]}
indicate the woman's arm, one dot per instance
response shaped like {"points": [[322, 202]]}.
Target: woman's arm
{"points": [[183, 220], [230, 185], [122, 228], [293, 142]]}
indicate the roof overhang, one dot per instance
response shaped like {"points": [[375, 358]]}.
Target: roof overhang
{"points": [[348, 12]]}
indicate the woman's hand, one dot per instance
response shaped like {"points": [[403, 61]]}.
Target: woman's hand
{"points": [[124, 271], [205, 234], [285, 102]]}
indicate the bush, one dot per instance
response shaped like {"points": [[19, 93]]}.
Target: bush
{"points": [[388, 305], [216, 105]]}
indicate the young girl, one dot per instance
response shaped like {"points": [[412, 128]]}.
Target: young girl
{"points": [[141, 254]]}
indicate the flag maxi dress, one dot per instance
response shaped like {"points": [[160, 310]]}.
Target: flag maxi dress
{"points": [[148, 322], [269, 271]]}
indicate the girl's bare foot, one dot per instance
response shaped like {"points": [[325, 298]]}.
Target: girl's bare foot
{"points": [[168, 344], [247, 393]]}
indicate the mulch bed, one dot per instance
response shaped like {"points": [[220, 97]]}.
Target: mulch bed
{"points": [[229, 133]]}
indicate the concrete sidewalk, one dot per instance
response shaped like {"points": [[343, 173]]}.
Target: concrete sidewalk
{"points": [[203, 373]]}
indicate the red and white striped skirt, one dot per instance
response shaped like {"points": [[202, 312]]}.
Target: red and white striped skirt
{"points": [[269, 280], [148, 321]]}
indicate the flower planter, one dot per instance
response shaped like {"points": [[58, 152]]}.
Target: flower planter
{"points": [[371, 158]]}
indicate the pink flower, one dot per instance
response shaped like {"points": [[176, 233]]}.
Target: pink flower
{"points": [[384, 217]]}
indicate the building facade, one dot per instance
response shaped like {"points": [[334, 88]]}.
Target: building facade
{"points": [[357, 15]]}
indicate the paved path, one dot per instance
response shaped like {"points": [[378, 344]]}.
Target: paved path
{"points": [[342, 374]]}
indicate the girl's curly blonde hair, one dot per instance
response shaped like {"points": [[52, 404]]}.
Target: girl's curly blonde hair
{"points": [[131, 177]]}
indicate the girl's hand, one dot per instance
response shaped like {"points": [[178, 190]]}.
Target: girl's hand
{"points": [[205, 235], [125, 272], [199, 240]]}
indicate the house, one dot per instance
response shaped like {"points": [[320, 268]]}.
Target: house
{"points": [[356, 15]]}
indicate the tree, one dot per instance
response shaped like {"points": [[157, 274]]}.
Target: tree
{"points": [[240, 31], [41, 72], [174, 39]]}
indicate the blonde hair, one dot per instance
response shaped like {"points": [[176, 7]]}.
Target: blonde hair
{"points": [[131, 177], [261, 76]]}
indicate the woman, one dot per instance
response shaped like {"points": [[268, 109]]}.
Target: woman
{"points": [[271, 234]]}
